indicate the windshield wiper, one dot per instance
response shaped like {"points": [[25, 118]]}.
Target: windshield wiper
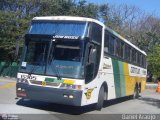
{"points": [[50, 55], [56, 70]]}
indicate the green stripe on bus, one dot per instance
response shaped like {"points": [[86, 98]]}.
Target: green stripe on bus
{"points": [[54, 80], [122, 78], [119, 79], [116, 77]]}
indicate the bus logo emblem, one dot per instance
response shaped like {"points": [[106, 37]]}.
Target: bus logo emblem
{"points": [[43, 83], [88, 93]]}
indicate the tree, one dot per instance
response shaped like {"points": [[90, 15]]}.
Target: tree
{"points": [[154, 61], [14, 19]]}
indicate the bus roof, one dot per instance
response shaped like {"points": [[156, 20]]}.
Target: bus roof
{"points": [[68, 18], [125, 40], [73, 18]]}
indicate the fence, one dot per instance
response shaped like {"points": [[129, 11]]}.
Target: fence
{"points": [[8, 69]]}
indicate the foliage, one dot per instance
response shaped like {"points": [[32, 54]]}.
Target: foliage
{"points": [[11, 30], [154, 61]]}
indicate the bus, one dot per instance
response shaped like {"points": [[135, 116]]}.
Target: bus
{"points": [[78, 61]]}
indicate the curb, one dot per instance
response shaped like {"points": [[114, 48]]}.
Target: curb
{"points": [[8, 78], [151, 86]]}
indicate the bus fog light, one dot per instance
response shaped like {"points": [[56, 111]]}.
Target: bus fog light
{"points": [[71, 96], [19, 89], [65, 96]]}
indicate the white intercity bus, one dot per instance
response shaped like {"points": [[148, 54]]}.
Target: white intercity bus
{"points": [[78, 61]]}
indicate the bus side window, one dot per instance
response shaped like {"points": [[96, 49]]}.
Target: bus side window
{"points": [[111, 45], [90, 65], [96, 33], [106, 42], [138, 59], [94, 54], [141, 60], [131, 55], [127, 52], [122, 50], [145, 62], [117, 48]]}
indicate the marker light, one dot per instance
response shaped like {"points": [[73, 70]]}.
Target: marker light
{"points": [[71, 96], [67, 86]]}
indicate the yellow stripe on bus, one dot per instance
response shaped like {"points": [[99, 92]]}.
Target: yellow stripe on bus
{"points": [[132, 80], [128, 81], [67, 81]]}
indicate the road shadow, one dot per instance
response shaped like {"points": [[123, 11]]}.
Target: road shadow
{"points": [[151, 101], [52, 107], [116, 101], [71, 110], [65, 108]]}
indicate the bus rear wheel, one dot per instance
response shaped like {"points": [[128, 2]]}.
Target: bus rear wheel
{"points": [[100, 102]]}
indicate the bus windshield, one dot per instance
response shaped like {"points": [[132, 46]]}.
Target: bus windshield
{"points": [[54, 56], [61, 58]]}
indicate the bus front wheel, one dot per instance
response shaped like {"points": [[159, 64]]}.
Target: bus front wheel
{"points": [[100, 102]]}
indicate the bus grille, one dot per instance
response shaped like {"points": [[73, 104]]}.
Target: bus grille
{"points": [[47, 83]]}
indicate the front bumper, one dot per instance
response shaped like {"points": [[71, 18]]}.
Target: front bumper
{"points": [[55, 95]]}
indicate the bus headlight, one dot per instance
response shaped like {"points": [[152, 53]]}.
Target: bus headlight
{"points": [[68, 86], [20, 80]]}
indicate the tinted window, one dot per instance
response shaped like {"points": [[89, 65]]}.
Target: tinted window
{"points": [[122, 50], [127, 52], [93, 52], [106, 42], [58, 28], [96, 33], [117, 47], [133, 55], [37, 52], [130, 57], [143, 61], [111, 45], [138, 59], [70, 53]]}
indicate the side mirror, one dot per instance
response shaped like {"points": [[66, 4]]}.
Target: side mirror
{"points": [[92, 55], [89, 72]]}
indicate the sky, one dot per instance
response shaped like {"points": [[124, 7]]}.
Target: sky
{"points": [[149, 6]]}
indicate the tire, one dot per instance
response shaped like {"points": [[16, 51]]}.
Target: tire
{"points": [[136, 92], [100, 102]]}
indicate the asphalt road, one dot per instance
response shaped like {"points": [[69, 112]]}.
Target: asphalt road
{"points": [[148, 103]]}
